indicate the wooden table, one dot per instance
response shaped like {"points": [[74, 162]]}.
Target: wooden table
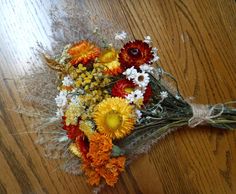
{"points": [[197, 44]]}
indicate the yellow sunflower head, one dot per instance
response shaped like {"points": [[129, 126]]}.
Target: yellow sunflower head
{"points": [[115, 117]]}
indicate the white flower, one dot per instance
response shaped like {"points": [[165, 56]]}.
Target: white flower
{"points": [[59, 113], [67, 81], [154, 50], [130, 73], [135, 95], [146, 68], [155, 56], [147, 39], [164, 94], [120, 35], [177, 97], [61, 99], [138, 113], [141, 79]]}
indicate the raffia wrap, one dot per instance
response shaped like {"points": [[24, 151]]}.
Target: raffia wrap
{"points": [[204, 114]]}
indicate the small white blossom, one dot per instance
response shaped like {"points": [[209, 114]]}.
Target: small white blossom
{"points": [[154, 50], [177, 97], [120, 35], [130, 73], [67, 81], [135, 95], [164, 94], [146, 68], [138, 113], [147, 39], [61, 99], [155, 58], [141, 79], [59, 113]]}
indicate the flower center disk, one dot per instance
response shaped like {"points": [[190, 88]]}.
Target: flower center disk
{"points": [[134, 52], [113, 120]]}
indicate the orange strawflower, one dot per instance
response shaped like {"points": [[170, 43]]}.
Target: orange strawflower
{"points": [[99, 149], [93, 176], [83, 52], [99, 163], [112, 169]]}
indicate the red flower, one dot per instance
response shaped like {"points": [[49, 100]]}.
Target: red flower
{"points": [[135, 53], [124, 87], [148, 93], [72, 130], [82, 144]]}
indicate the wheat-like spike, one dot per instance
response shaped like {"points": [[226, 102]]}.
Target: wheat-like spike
{"points": [[53, 64]]}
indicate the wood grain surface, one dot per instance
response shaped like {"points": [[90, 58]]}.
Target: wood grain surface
{"points": [[197, 44]]}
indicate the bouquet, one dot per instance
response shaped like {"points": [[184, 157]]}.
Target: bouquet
{"points": [[113, 103]]}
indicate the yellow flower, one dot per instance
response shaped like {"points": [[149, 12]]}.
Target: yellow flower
{"points": [[109, 59], [80, 68], [87, 127], [138, 102], [73, 148], [114, 117], [72, 113]]}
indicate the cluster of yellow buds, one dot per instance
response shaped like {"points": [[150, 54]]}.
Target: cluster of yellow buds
{"points": [[93, 82]]}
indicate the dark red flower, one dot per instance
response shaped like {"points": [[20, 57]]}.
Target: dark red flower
{"points": [[135, 53], [124, 87]]}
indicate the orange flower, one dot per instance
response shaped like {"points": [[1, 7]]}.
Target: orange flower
{"points": [[83, 52], [109, 171], [98, 162], [112, 170], [99, 149], [93, 176]]}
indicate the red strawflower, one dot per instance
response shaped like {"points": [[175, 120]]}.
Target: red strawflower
{"points": [[124, 87], [72, 130], [135, 53]]}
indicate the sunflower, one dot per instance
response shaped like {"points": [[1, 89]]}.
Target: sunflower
{"points": [[109, 59], [114, 117], [135, 53], [83, 52]]}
